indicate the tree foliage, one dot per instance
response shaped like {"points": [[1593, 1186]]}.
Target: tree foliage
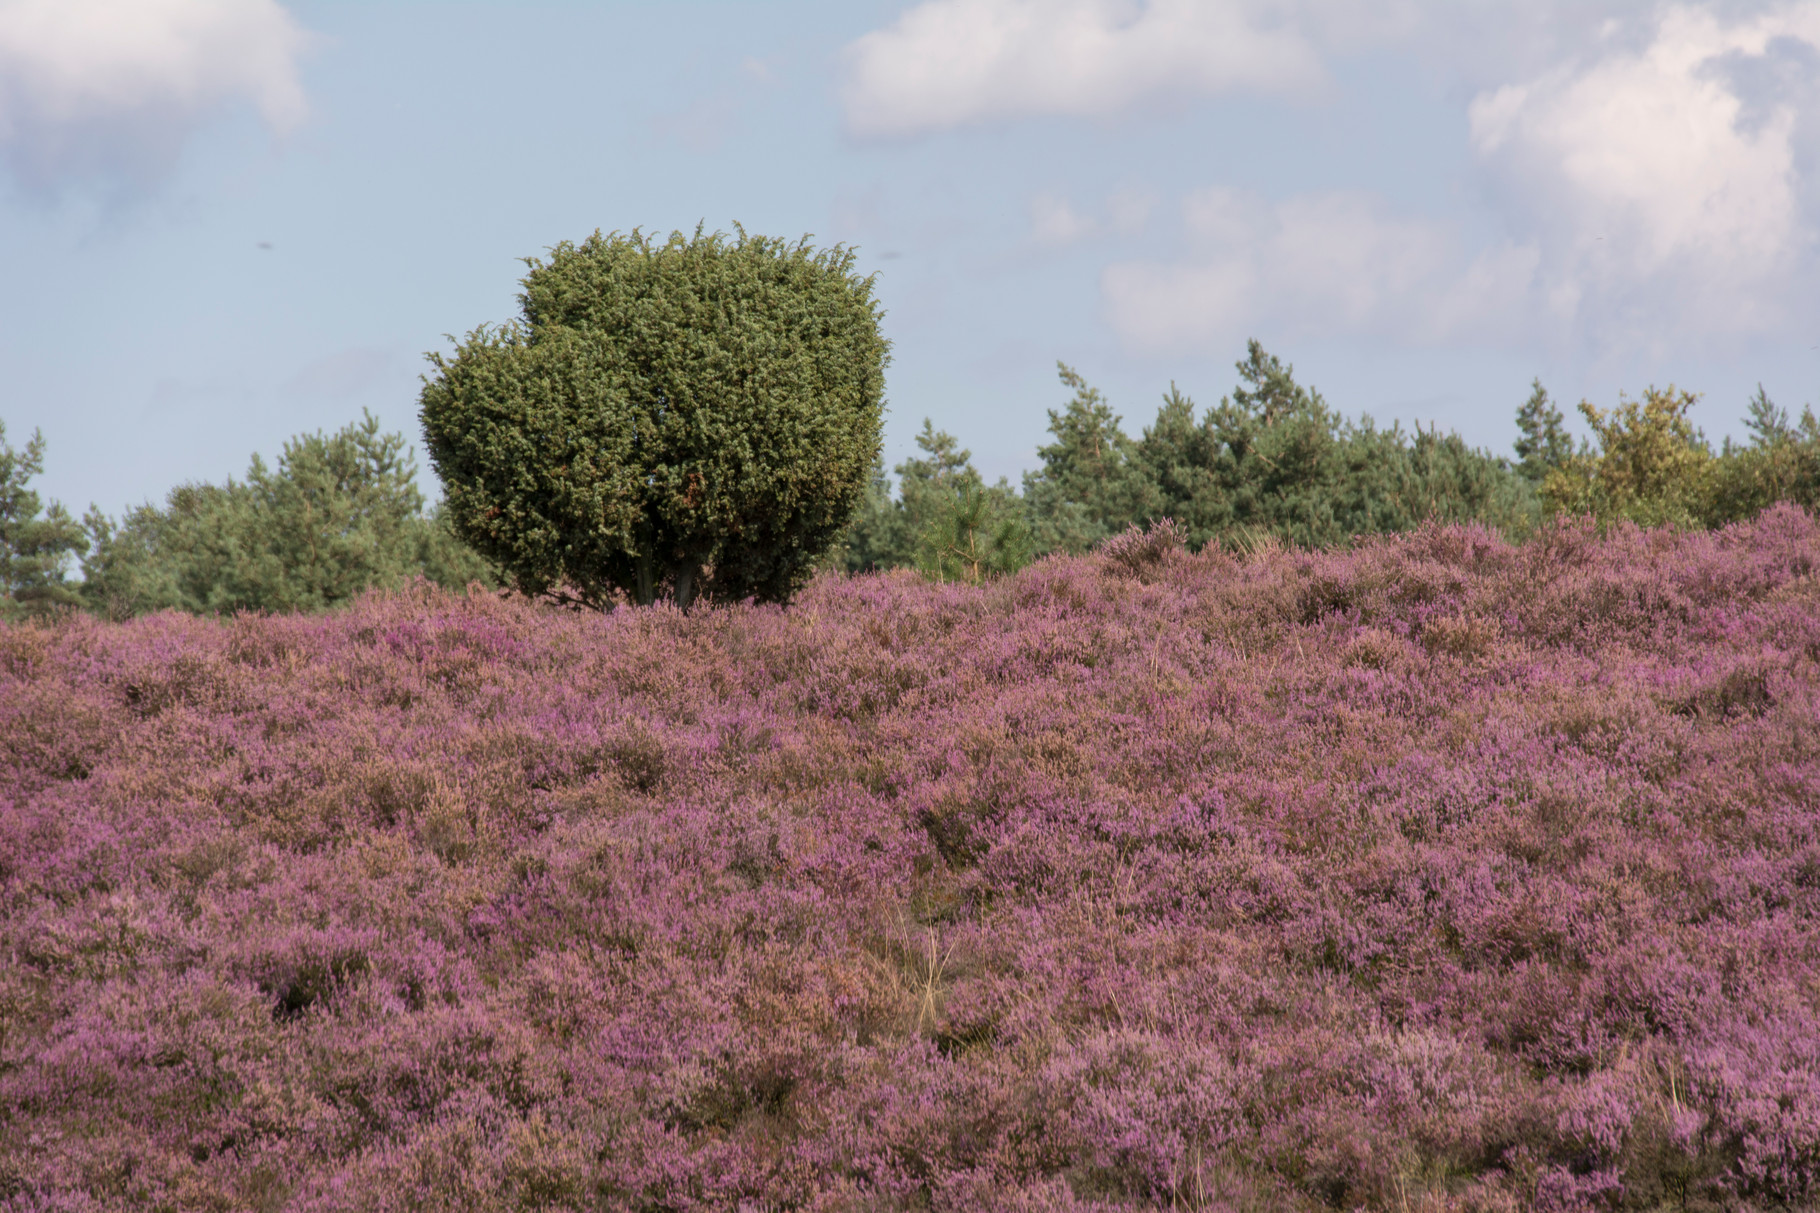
{"points": [[339, 514], [946, 520], [872, 539], [1648, 464], [974, 539], [1543, 443], [37, 542], [696, 415], [1780, 463], [1273, 462], [1271, 459], [1268, 458], [1091, 485]]}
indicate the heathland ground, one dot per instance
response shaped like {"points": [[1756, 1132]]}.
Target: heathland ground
{"points": [[1440, 873]]}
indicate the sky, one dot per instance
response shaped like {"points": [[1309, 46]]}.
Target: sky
{"points": [[226, 222]]}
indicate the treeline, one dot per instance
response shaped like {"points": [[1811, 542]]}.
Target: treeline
{"points": [[1274, 462], [338, 514], [341, 512]]}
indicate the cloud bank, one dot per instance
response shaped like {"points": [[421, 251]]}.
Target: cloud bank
{"points": [[1655, 188], [1665, 171], [952, 63], [1312, 264], [111, 88]]}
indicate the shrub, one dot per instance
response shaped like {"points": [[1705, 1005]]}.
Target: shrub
{"points": [[1137, 548], [697, 415], [1651, 465]]}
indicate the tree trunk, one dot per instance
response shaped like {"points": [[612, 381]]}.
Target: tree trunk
{"points": [[647, 590], [686, 576]]}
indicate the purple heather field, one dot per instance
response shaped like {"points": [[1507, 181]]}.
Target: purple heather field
{"points": [[1439, 874]]}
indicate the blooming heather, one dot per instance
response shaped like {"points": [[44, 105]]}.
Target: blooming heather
{"points": [[1437, 874]]}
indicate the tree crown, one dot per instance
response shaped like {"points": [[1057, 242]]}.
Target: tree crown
{"points": [[700, 413]]}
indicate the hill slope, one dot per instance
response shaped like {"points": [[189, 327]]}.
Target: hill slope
{"points": [[1437, 874]]}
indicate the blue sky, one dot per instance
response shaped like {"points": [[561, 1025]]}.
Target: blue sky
{"points": [[223, 222]]}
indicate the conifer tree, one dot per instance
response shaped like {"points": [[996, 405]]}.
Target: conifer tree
{"points": [[872, 541], [1179, 455], [37, 542], [1274, 459], [946, 520], [667, 418], [1090, 486], [339, 514], [1543, 443], [1780, 463]]}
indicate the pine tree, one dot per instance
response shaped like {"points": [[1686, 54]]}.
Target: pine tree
{"points": [[37, 542], [1274, 459], [1179, 455], [1766, 420], [977, 534], [872, 541], [1280, 459], [1780, 463], [1543, 443], [1091, 485], [945, 520], [339, 514]]}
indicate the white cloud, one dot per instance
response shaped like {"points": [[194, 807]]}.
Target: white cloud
{"points": [[1313, 264], [112, 87], [1655, 187], [1054, 221], [949, 63], [1651, 163], [1657, 194]]}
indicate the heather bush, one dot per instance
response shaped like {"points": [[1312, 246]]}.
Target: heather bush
{"points": [[1441, 873], [1138, 549]]}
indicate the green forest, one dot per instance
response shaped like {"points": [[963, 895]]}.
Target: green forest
{"points": [[337, 514]]}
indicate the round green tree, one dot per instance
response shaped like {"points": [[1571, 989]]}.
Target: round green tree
{"points": [[697, 416]]}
